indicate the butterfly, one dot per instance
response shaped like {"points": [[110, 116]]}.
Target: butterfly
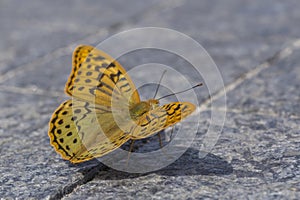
{"points": [[105, 110]]}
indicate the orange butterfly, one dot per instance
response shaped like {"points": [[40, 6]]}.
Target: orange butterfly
{"points": [[106, 110]]}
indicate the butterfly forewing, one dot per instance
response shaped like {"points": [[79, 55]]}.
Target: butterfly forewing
{"points": [[96, 77]]}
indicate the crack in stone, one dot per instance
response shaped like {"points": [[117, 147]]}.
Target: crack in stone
{"points": [[67, 189]]}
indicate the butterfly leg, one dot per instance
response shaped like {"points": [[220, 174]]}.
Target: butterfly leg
{"points": [[161, 146], [130, 150], [169, 134], [172, 131], [160, 141], [131, 146]]}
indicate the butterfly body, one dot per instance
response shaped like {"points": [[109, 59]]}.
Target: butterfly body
{"points": [[105, 110], [143, 107]]}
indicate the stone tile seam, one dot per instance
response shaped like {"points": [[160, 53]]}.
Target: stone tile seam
{"points": [[265, 113], [280, 55], [69, 188], [92, 38], [63, 51], [30, 91]]}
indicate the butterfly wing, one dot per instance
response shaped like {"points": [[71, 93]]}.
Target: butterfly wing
{"points": [[80, 131], [96, 77], [85, 127], [160, 118]]}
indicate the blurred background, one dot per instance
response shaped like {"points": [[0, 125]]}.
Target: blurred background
{"points": [[237, 34]]}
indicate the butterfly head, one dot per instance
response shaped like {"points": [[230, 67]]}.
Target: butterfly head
{"points": [[154, 103]]}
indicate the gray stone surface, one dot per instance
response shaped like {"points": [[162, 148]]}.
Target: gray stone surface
{"points": [[256, 46]]}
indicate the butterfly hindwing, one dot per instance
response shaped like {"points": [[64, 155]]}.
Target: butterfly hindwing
{"points": [[78, 132]]}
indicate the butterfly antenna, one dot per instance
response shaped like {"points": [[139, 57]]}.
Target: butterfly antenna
{"points": [[198, 85], [159, 83]]}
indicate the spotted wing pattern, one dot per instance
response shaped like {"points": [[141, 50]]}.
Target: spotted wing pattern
{"points": [[84, 127], [96, 121], [79, 132], [96, 77]]}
